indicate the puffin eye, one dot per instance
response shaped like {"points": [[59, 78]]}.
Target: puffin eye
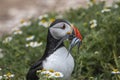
{"points": [[63, 27]]}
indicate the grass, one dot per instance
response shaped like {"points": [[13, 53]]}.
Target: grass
{"points": [[99, 57]]}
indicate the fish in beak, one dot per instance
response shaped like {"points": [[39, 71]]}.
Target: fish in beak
{"points": [[75, 38]]}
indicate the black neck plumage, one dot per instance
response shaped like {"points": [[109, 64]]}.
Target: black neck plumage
{"points": [[51, 45]]}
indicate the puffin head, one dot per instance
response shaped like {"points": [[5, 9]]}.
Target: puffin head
{"points": [[61, 30]]}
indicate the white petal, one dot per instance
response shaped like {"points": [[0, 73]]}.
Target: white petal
{"points": [[1, 77], [30, 38]]}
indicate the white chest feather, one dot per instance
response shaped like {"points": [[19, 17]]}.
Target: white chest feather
{"points": [[60, 61]]}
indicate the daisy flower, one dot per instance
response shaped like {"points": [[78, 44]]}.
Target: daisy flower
{"points": [[30, 38], [1, 77], [116, 6], [91, 2], [105, 10], [93, 23], [43, 23], [17, 32], [50, 73], [58, 75], [24, 23], [34, 44], [9, 75], [7, 39], [115, 71], [42, 16]]}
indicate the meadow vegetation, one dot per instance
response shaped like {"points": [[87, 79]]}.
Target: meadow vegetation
{"points": [[99, 55]]}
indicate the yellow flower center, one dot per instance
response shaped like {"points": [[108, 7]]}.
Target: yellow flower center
{"points": [[51, 70], [18, 31], [115, 70], [8, 74], [52, 19], [47, 75], [43, 20], [57, 74], [22, 21], [93, 1]]}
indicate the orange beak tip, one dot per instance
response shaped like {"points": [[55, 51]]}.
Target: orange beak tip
{"points": [[77, 33]]}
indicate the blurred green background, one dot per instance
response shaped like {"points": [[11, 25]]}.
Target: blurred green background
{"points": [[99, 57]]}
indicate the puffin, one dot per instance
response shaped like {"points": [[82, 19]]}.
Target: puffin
{"points": [[56, 56]]}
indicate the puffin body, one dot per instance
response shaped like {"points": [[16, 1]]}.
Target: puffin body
{"points": [[60, 61], [56, 56]]}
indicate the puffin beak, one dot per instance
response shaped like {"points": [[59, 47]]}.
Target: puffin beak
{"points": [[77, 34], [75, 38]]}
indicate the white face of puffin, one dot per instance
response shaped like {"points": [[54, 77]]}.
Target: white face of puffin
{"points": [[60, 30]]}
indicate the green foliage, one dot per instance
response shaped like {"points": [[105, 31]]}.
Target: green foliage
{"points": [[99, 53]]}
